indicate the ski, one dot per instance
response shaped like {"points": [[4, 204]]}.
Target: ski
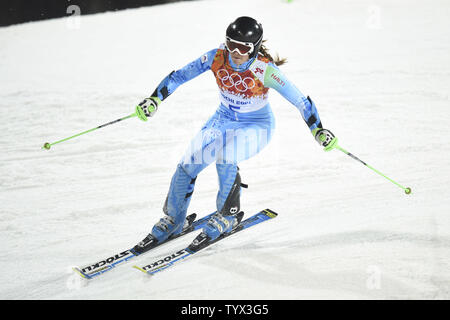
{"points": [[95, 269], [177, 256]]}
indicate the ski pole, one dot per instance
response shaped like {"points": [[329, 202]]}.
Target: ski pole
{"points": [[48, 145], [407, 190]]}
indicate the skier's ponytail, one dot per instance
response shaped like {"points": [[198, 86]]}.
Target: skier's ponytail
{"points": [[264, 52]]}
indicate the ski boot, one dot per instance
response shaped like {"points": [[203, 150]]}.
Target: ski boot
{"points": [[228, 200], [162, 230], [175, 206], [218, 225]]}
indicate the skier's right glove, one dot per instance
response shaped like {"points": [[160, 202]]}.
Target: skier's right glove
{"points": [[325, 138], [147, 108]]}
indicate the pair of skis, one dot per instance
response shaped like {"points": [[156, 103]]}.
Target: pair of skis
{"points": [[95, 269]]}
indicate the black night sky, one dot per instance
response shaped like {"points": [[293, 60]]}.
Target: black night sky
{"points": [[19, 11]]}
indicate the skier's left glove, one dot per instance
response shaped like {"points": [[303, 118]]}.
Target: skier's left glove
{"points": [[147, 108], [325, 138]]}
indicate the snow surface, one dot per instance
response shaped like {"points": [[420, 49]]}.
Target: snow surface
{"points": [[379, 73]]}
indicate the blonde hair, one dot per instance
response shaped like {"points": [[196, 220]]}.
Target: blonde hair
{"points": [[265, 53]]}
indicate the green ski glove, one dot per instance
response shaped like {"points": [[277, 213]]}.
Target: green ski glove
{"points": [[147, 108]]}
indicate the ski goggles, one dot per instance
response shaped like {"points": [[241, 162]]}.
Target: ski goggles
{"points": [[240, 47]]}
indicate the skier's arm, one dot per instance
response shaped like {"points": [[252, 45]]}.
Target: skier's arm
{"points": [[176, 78], [275, 79], [171, 82]]}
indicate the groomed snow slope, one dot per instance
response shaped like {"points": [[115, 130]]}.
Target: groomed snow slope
{"points": [[379, 73]]}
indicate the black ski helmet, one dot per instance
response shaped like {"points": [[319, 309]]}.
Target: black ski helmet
{"points": [[246, 29]]}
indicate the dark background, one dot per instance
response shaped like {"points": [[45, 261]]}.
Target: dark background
{"points": [[19, 11]]}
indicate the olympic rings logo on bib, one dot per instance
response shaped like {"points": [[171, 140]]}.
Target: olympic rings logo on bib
{"points": [[229, 81]]}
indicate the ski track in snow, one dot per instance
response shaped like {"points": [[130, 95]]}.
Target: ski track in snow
{"points": [[379, 75]]}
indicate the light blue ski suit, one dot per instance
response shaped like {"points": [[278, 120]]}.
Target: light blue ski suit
{"points": [[241, 126]]}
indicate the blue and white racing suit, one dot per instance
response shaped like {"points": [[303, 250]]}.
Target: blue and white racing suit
{"points": [[242, 125]]}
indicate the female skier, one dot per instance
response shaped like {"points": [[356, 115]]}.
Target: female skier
{"points": [[241, 126]]}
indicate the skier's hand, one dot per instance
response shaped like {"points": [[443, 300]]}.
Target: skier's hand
{"points": [[147, 108], [325, 138]]}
